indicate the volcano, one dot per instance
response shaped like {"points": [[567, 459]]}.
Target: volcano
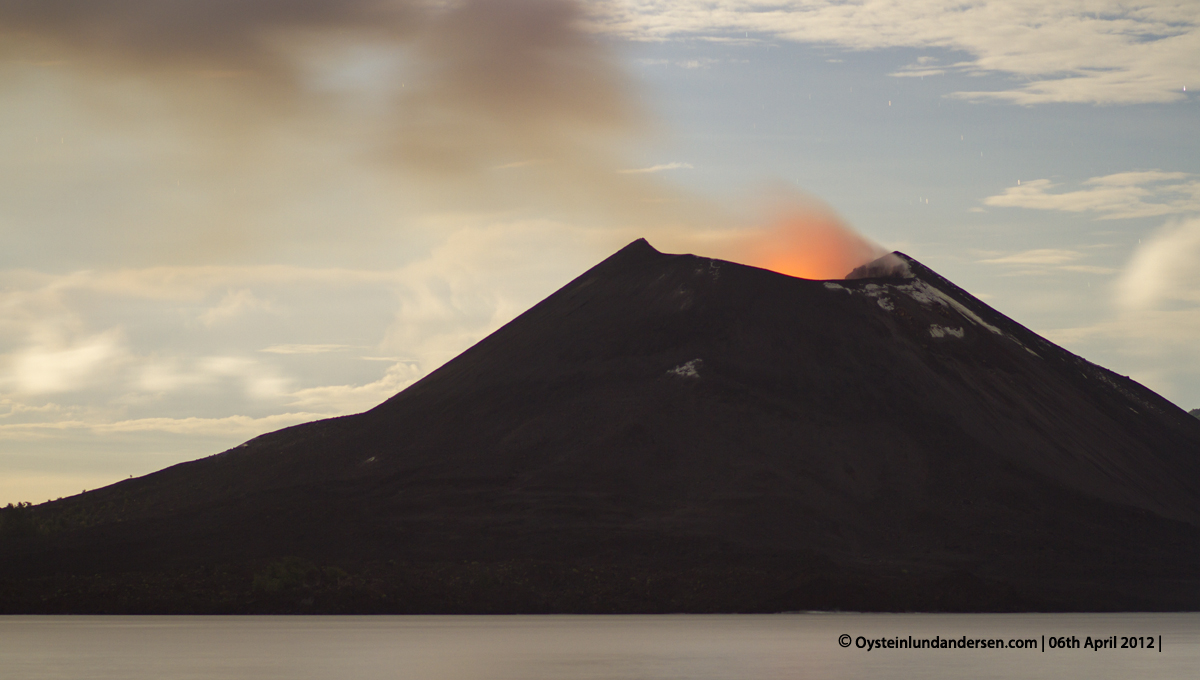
{"points": [[671, 433]]}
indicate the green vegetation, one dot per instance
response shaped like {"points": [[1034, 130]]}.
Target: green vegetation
{"points": [[293, 573], [18, 521], [24, 520]]}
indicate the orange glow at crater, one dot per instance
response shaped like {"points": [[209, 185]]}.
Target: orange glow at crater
{"points": [[809, 244]]}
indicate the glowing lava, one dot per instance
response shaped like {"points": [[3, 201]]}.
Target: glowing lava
{"points": [[809, 244]]}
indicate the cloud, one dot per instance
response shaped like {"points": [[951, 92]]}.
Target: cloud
{"points": [[1037, 256], [1156, 347], [124, 344], [467, 287], [214, 39], [334, 128], [928, 66], [1085, 51], [690, 64], [1155, 318], [52, 365], [521, 164], [303, 349], [1163, 269], [419, 173], [120, 351], [238, 426], [357, 398], [1088, 269], [234, 304], [1117, 196], [658, 168], [106, 342], [1044, 261], [9, 407]]}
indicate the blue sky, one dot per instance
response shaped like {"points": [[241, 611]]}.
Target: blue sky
{"points": [[225, 221], [935, 176]]}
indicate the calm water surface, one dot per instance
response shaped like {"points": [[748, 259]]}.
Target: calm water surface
{"points": [[677, 647]]}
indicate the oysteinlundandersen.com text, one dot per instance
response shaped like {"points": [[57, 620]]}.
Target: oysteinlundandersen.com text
{"points": [[1038, 644]]}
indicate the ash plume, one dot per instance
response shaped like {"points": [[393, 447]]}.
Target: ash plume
{"points": [[206, 36], [804, 238], [479, 105], [474, 107]]}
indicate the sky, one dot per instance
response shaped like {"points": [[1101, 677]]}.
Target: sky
{"points": [[222, 218]]}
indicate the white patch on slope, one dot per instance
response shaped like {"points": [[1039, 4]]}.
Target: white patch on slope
{"points": [[942, 331], [713, 270], [926, 294], [879, 293], [688, 370]]}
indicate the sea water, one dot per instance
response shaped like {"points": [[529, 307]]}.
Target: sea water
{"points": [[675, 647]]}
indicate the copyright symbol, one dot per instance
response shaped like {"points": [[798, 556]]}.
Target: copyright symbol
{"points": [[844, 640]]}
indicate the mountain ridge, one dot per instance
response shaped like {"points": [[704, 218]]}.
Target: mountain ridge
{"points": [[745, 440]]}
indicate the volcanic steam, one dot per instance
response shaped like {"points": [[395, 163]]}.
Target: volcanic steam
{"points": [[808, 241]]}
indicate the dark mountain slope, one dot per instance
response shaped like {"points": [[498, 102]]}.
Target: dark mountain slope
{"points": [[673, 433]]}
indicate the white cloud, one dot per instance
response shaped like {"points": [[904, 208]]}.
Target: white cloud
{"points": [[55, 366], [1152, 329], [1163, 269], [1089, 51], [703, 62], [1156, 347], [10, 407], [303, 349], [1043, 261], [1127, 179], [1088, 269], [259, 381], [358, 398], [1121, 195], [238, 425], [521, 164], [928, 66], [234, 304], [179, 374], [466, 288], [129, 366], [108, 342], [1037, 256], [658, 168]]}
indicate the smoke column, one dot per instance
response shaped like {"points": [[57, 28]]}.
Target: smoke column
{"points": [[496, 105], [806, 240], [488, 105]]}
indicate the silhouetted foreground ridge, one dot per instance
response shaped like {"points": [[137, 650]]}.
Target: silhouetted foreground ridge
{"points": [[673, 433]]}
